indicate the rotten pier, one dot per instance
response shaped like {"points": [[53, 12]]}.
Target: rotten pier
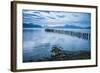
{"points": [[82, 35]]}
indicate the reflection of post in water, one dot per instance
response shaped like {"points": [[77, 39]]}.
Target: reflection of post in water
{"points": [[81, 35]]}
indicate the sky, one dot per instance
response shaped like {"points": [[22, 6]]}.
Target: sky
{"points": [[56, 18]]}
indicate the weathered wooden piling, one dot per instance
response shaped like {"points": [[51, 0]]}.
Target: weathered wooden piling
{"points": [[82, 35]]}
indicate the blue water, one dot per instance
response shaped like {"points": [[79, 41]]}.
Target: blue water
{"points": [[37, 43]]}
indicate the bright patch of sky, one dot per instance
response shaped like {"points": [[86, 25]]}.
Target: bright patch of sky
{"points": [[56, 18]]}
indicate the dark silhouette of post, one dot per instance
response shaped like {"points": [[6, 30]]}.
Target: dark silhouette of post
{"points": [[82, 35]]}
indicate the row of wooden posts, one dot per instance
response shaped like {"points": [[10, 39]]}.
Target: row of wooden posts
{"points": [[82, 35]]}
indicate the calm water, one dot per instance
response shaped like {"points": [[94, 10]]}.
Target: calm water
{"points": [[37, 43]]}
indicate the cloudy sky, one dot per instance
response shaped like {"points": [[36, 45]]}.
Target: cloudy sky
{"points": [[56, 18]]}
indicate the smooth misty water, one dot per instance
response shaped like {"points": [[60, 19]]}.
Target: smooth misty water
{"points": [[37, 43]]}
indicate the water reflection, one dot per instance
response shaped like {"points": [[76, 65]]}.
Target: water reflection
{"points": [[37, 44]]}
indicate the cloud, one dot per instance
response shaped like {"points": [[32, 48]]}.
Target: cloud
{"points": [[56, 17]]}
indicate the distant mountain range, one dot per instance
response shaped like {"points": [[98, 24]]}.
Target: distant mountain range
{"points": [[72, 26], [30, 25]]}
